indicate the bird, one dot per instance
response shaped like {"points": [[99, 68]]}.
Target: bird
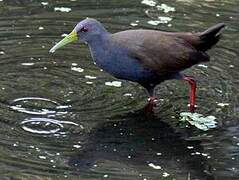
{"points": [[146, 56]]}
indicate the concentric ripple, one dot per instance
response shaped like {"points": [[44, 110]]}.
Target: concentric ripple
{"points": [[38, 106], [62, 117], [39, 125]]}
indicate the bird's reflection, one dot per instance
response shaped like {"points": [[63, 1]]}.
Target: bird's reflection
{"points": [[136, 140]]}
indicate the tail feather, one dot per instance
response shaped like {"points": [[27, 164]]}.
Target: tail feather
{"points": [[210, 37]]}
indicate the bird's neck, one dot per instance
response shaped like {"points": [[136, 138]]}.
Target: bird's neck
{"points": [[99, 48], [98, 39], [99, 43]]}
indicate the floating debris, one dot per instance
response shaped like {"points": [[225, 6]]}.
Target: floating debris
{"points": [[152, 22], [89, 82], [62, 9], [161, 20], [190, 147], [44, 3], [203, 65], [2, 52], [149, 2], [90, 77], [134, 24], [197, 120], [42, 157], [114, 83], [164, 19], [223, 104], [128, 94], [165, 8], [40, 28], [77, 146], [154, 166], [77, 69], [27, 64], [165, 174]]}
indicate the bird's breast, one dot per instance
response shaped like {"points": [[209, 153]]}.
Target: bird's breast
{"points": [[118, 63]]}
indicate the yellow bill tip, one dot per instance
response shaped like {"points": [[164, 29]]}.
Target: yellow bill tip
{"points": [[68, 39]]}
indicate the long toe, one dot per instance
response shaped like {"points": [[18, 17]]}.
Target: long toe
{"points": [[149, 108], [192, 108]]}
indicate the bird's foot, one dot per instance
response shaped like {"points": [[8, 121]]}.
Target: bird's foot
{"points": [[192, 93], [192, 108], [149, 108]]}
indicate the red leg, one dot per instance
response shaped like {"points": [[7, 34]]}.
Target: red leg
{"points": [[151, 104], [192, 93]]}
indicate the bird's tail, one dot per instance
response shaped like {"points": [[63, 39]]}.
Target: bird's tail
{"points": [[210, 37]]}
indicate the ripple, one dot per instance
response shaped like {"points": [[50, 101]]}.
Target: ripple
{"points": [[34, 98], [39, 125], [38, 106], [75, 91]]}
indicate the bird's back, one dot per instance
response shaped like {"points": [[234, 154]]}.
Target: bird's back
{"points": [[168, 52], [161, 52]]}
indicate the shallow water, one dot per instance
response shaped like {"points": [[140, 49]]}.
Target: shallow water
{"points": [[63, 118]]}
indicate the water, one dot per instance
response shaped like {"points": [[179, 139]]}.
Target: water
{"points": [[63, 118]]}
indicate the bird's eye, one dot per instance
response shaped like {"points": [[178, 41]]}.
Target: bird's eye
{"points": [[83, 29]]}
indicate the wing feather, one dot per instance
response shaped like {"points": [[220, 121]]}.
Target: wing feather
{"points": [[161, 52]]}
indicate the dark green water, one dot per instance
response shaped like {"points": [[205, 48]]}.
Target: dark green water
{"points": [[59, 120]]}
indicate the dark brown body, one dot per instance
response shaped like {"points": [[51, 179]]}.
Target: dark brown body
{"points": [[167, 52]]}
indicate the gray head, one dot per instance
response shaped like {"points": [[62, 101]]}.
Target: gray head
{"points": [[89, 29], [86, 31]]}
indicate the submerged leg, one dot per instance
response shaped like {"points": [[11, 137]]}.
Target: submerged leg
{"points": [[149, 108], [151, 100], [192, 93]]}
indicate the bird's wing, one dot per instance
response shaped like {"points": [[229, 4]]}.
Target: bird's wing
{"points": [[164, 53]]}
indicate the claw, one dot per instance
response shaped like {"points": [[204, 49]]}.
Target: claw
{"points": [[151, 104]]}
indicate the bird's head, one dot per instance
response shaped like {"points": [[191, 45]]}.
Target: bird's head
{"points": [[85, 31]]}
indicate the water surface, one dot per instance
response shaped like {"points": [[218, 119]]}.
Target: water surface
{"points": [[61, 117]]}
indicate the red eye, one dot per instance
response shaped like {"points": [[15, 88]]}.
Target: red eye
{"points": [[83, 29]]}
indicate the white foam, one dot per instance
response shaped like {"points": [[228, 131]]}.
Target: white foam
{"points": [[77, 69], [114, 83], [154, 166], [62, 9], [149, 2]]}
